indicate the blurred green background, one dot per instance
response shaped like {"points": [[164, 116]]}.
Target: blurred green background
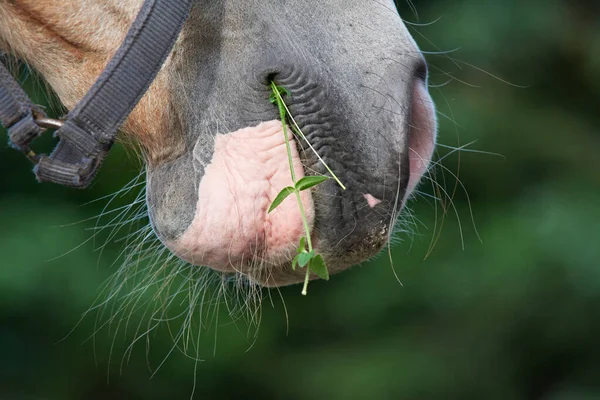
{"points": [[513, 316]]}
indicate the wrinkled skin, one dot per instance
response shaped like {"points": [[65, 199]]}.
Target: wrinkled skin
{"points": [[357, 87]]}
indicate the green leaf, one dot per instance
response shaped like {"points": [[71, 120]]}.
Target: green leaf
{"points": [[304, 258], [317, 266], [281, 197], [302, 245], [295, 262], [282, 92], [309, 181]]}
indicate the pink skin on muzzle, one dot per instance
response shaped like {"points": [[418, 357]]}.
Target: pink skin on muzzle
{"points": [[231, 227]]}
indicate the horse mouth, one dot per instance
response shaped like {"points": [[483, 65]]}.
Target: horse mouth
{"points": [[231, 230]]}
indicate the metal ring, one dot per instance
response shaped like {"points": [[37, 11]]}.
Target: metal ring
{"points": [[46, 123], [49, 123]]}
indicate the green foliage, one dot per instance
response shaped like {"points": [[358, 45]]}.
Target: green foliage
{"points": [[303, 258], [306, 257], [285, 192], [309, 181], [303, 184], [278, 93], [317, 266]]}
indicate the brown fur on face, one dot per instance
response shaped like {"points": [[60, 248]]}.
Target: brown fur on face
{"points": [[69, 42]]}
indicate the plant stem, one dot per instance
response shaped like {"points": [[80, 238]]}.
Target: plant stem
{"points": [[299, 132], [282, 113], [308, 240], [296, 129], [282, 116]]}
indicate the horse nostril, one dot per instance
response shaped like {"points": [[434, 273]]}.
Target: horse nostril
{"points": [[422, 70], [266, 72], [273, 69], [269, 76]]}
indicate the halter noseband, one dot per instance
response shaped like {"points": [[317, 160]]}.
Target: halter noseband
{"points": [[90, 129]]}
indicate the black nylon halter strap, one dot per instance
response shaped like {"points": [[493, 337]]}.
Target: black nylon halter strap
{"points": [[17, 112], [91, 127]]}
